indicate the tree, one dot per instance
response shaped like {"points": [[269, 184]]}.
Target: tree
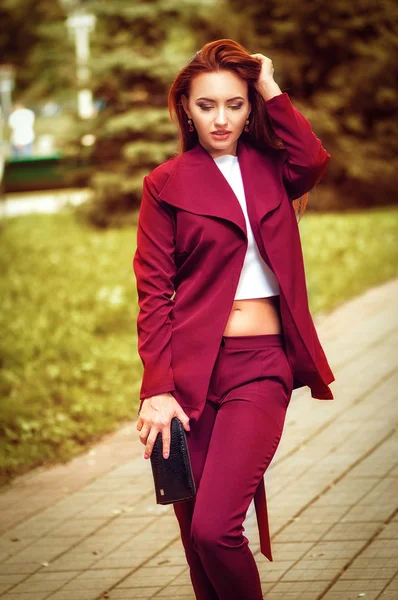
{"points": [[137, 50], [36, 46], [337, 61]]}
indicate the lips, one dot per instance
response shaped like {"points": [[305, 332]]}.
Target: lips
{"points": [[220, 135]]}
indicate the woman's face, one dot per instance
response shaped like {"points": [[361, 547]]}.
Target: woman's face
{"points": [[218, 102]]}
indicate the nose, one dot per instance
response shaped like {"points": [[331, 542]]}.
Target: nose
{"points": [[221, 117]]}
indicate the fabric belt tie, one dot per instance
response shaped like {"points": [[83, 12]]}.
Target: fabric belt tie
{"points": [[260, 504]]}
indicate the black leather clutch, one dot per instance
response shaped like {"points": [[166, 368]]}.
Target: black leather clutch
{"points": [[173, 476]]}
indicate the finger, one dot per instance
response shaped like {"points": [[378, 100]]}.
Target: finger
{"points": [[166, 441], [180, 414], [150, 442], [140, 423], [143, 435]]}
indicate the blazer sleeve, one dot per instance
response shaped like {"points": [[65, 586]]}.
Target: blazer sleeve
{"points": [[154, 268], [306, 159]]}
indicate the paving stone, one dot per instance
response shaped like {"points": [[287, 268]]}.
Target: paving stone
{"points": [[303, 532], [390, 531], [172, 555], [160, 576], [393, 585], [133, 593], [381, 548], [394, 472], [385, 492], [288, 550], [348, 490], [391, 590], [315, 570], [352, 531], [362, 513], [381, 461], [323, 514], [32, 595], [370, 572], [44, 550], [348, 590], [184, 592], [30, 530], [40, 586], [11, 579], [183, 578], [297, 590], [73, 561], [13, 545], [77, 528], [274, 570], [82, 595]]}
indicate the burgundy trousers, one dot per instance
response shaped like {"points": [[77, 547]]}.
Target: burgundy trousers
{"points": [[231, 446]]}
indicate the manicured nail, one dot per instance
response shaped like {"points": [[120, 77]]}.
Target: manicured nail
{"points": [[146, 455], [166, 455]]}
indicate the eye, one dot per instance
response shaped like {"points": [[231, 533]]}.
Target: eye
{"points": [[206, 107]]}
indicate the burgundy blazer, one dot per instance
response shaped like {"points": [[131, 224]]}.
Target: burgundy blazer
{"points": [[191, 244]]}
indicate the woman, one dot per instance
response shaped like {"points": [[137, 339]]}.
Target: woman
{"points": [[224, 329]]}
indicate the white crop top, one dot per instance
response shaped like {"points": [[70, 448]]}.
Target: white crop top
{"points": [[256, 278]]}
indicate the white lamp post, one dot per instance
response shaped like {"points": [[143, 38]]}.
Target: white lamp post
{"points": [[7, 77], [80, 25], [7, 80]]}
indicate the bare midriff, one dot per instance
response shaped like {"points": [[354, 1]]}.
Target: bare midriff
{"points": [[254, 316]]}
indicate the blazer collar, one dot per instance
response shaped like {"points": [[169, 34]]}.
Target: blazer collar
{"points": [[197, 185]]}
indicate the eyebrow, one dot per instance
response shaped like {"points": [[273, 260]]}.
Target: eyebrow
{"points": [[229, 99]]}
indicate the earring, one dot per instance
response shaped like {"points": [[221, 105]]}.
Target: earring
{"points": [[247, 125], [190, 125]]}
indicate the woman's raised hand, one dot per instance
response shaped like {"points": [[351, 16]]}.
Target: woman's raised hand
{"points": [[267, 68], [155, 416], [265, 84]]}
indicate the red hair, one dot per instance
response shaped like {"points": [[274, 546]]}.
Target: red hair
{"points": [[226, 54]]}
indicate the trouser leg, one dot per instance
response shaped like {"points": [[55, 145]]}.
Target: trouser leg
{"points": [[245, 436], [243, 442], [198, 440], [231, 446]]}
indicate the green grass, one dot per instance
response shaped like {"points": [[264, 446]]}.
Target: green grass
{"points": [[69, 365], [347, 253], [70, 368]]}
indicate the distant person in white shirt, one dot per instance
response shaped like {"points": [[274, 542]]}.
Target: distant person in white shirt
{"points": [[21, 122]]}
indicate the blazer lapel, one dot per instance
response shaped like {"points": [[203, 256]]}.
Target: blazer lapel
{"points": [[261, 181], [197, 185]]}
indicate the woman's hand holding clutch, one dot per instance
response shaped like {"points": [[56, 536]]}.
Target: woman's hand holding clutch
{"points": [[155, 416]]}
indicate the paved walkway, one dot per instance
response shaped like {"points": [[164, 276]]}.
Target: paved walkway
{"points": [[41, 201], [91, 530]]}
